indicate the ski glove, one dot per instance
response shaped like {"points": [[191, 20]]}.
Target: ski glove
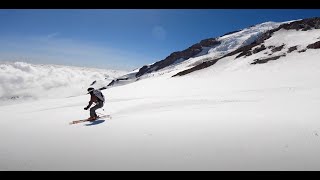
{"points": [[86, 108]]}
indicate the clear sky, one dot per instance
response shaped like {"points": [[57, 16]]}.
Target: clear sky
{"points": [[120, 39]]}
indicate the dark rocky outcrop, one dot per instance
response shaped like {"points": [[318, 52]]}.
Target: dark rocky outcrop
{"points": [[231, 32], [142, 70], [111, 83], [198, 67], [117, 80], [258, 49], [279, 48], [93, 83], [315, 45], [185, 54], [303, 50], [293, 48], [245, 50], [265, 60], [304, 25]]}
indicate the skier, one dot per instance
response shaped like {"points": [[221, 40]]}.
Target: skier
{"points": [[97, 98]]}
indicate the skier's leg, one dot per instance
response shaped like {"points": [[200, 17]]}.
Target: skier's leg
{"points": [[94, 108], [99, 105], [93, 111]]}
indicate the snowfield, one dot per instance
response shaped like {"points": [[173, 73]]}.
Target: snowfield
{"points": [[230, 116]]}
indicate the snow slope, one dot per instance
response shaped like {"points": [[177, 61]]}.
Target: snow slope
{"points": [[230, 116]]}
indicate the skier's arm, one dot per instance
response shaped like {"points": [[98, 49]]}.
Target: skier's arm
{"points": [[90, 103]]}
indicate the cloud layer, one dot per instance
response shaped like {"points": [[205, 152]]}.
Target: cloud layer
{"points": [[23, 80]]}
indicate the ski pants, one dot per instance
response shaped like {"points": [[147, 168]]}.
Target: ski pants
{"points": [[94, 108]]}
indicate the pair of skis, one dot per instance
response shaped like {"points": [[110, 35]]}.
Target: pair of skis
{"points": [[85, 120]]}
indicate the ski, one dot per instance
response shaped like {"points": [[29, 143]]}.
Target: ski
{"points": [[85, 120], [78, 121]]}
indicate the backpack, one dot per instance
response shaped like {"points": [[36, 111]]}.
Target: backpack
{"points": [[99, 95]]}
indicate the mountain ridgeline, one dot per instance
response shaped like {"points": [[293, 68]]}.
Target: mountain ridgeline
{"points": [[185, 54], [242, 43], [255, 47]]}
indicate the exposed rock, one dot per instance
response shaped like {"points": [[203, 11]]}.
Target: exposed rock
{"points": [[248, 52], [119, 79], [258, 49], [185, 54], [262, 61], [245, 49], [111, 83], [244, 53], [200, 61], [102, 88], [279, 48], [231, 32], [208, 43], [293, 48], [198, 67], [303, 50], [304, 25], [315, 45], [142, 70], [93, 83], [116, 80]]}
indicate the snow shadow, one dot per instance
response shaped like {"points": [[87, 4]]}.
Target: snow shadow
{"points": [[95, 122]]}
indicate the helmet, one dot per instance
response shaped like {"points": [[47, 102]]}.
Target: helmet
{"points": [[90, 89]]}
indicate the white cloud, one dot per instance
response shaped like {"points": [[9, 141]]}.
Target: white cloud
{"points": [[49, 81]]}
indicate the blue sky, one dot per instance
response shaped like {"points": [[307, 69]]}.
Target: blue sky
{"points": [[120, 39]]}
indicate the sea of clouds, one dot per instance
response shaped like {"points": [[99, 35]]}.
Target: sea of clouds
{"points": [[25, 81]]}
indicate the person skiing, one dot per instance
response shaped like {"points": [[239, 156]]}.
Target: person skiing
{"points": [[97, 98]]}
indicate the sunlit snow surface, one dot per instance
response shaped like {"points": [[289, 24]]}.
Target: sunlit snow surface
{"points": [[230, 116]]}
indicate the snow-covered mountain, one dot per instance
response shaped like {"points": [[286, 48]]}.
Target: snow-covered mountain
{"points": [[250, 106], [295, 36], [209, 51], [203, 51], [20, 81]]}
